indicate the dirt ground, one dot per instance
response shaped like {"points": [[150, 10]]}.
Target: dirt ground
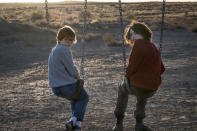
{"points": [[27, 102]]}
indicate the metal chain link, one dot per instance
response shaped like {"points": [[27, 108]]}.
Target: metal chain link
{"points": [[162, 25], [157, 117], [122, 36], [83, 40], [47, 13]]}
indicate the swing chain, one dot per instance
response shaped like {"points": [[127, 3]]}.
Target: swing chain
{"points": [[47, 13], [162, 24], [122, 36], [83, 40]]}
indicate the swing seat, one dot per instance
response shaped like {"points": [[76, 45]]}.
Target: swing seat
{"points": [[124, 86], [142, 93], [75, 96]]}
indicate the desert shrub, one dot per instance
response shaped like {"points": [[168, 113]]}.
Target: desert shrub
{"points": [[94, 21], [194, 28], [91, 36], [71, 18], [115, 43], [77, 9], [6, 16], [174, 23], [153, 25], [37, 15], [88, 14], [2, 16], [180, 26], [186, 13], [107, 37], [41, 23], [110, 40], [130, 16]]}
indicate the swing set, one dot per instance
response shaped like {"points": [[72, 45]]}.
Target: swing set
{"points": [[121, 33]]}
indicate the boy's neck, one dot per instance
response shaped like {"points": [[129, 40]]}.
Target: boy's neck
{"points": [[137, 37], [66, 43]]}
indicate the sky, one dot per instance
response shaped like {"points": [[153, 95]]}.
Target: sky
{"points": [[7, 1]]}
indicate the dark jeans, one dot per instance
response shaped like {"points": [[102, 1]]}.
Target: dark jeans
{"points": [[78, 107], [122, 101]]}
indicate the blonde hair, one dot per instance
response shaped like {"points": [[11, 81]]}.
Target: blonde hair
{"points": [[138, 28], [66, 32]]}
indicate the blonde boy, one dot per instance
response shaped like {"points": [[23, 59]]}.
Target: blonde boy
{"points": [[64, 77]]}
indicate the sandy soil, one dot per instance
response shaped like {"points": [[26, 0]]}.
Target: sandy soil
{"points": [[27, 102]]}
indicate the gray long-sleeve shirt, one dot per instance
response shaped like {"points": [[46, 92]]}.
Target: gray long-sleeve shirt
{"points": [[61, 69]]}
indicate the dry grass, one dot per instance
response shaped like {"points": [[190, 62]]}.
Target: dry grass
{"points": [[91, 36], [111, 40], [100, 16], [88, 14], [37, 15], [26, 99], [181, 14], [194, 28]]}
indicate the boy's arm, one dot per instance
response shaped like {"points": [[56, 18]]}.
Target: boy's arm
{"points": [[162, 68], [67, 60], [134, 59]]}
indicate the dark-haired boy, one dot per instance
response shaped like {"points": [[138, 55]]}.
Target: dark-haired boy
{"points": [[143, 74]]}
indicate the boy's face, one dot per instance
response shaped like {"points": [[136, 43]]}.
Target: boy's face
{"points": [[68, 42], [132, 34]]}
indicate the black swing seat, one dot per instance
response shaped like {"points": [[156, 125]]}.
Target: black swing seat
{"points": [[75, 96], [143, 93]]}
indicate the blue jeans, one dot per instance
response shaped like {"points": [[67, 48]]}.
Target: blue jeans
{"points": [[78, 107]]}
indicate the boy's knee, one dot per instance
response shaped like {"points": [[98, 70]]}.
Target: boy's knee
{"points": [[87, 98], [122, 90]]}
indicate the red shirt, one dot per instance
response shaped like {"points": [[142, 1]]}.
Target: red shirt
{"points": [[145, 65]]}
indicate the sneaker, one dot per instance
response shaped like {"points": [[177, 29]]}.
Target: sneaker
{"points": [[76, 128], [69, 126]]}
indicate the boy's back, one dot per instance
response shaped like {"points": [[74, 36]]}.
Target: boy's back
{"points": [[59, 58], [144, 69]]}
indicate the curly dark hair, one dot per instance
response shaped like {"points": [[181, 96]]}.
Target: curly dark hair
{"points": [[138, 28]]}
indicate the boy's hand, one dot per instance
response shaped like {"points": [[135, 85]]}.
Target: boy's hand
{"points": [[81, 80], [77, 77]]}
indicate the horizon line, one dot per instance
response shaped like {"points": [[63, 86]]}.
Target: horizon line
{"points": [[98, 1]]}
